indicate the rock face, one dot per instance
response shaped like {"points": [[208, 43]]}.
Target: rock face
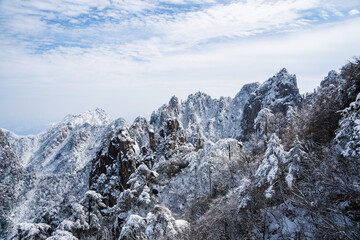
{"points": [[277, 94], [204, 118], [236, 110], [169, 137], [142, 132], [332, 78], [113, 166]]}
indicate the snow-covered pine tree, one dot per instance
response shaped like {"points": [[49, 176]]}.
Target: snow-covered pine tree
{"points": [[348, 137], [269, 167], [295, 158]]}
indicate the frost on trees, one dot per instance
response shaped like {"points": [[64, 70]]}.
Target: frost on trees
{"points": [[182, 165], [268, 170], [348, 135], [264, 122], [295, 157]]}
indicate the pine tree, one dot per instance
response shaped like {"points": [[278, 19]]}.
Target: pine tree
{"points": [[296, 159], [269, 168], [348, 136]]}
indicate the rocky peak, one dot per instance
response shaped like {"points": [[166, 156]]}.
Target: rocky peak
{"points": [[113, 165], [96, 117], [199, 104], [281, 85], [8, 158], [277, 93], [3, 140], [283, 72], [238, 102], [174, 105], [332, 78], [140, 131], [169, 137], [236, 109]]}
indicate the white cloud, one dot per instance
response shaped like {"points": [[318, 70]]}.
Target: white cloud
{"points": [[177, 28], [236, 19], [354, 12], [54, 60], [219, 69]]}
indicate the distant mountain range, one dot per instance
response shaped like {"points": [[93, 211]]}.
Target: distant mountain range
{"points": [[256, 166]]}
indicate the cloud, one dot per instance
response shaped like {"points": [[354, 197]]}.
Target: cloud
{"points": [[353, 12], [131, 24], [129, 57]]}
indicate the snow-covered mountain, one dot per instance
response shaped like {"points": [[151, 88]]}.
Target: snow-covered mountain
{"points": [[65, 146], [277, 94], [184, 174], [204, 118]]}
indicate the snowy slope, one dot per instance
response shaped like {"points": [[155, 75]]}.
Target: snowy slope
{"points": [[66, 146], [58, 162], [139, 173]]}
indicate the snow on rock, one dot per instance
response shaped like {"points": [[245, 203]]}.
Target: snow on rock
{"points": [[141, 131], [13, 180], [92, 177], [277, 93], [29, 231], [204, 118], [263, 121], [236, 109], [57, 161], [96, 117], [113, 165], [23, 146], [139, 179], [169, 138], [332, 78], [66, 146]]}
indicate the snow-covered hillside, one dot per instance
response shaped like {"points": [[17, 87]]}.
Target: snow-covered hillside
{"points": [[185, 174], [65, 146]]}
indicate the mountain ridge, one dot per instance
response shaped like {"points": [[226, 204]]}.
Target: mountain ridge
{"points": [[90, 176]]}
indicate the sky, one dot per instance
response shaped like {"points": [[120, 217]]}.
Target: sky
{"points": [[128, 57]]}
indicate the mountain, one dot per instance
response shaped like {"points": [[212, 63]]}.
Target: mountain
{"points": [[204, 118], [277, 94], [185, 174]]}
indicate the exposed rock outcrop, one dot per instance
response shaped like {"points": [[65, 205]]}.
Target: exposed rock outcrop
{"points": [[277, 94], [113, 166], [170, 137]]}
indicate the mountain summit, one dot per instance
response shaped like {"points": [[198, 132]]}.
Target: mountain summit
{"points": [[96, 117], [267, 163]]}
